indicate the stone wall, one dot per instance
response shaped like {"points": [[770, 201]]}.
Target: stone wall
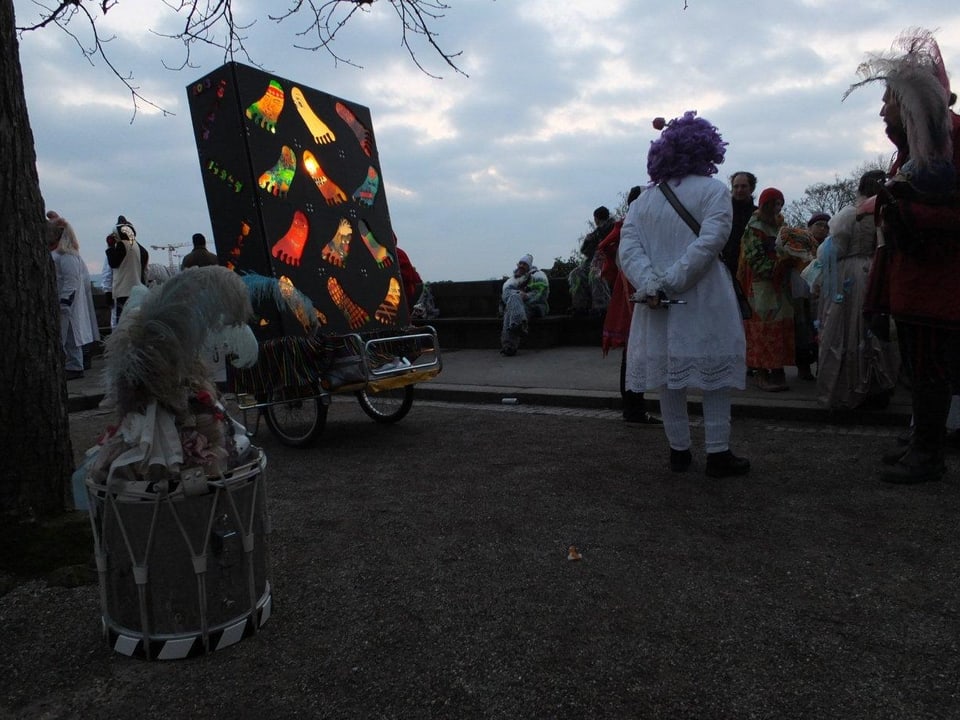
{"points": [[469, 317]]}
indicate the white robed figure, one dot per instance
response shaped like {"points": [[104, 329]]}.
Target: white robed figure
{"points": [[698, 342]]}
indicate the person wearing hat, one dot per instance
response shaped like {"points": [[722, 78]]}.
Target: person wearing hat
{"points": [[696, 341], [915, 275], [616, 322], [763, 274], [199, 256], [523, 296], [128, 260]]}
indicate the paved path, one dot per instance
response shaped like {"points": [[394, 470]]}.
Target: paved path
{"points": [[572, 377]]}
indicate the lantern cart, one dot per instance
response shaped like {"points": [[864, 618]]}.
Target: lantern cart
{"points": [[293, 392], [298, 207]]}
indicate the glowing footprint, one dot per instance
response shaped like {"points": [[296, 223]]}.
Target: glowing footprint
{"points": [[367, 192], [387, 312], [328, 188], [298, 303], [266, 111], [379, 252], [277, 179], [289, 248], [359, 129], [354, 314], [322, 134], [336, 251]]}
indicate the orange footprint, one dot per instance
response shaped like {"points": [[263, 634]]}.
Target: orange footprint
{"points": [[354, 314], [387, 312], [328, 188]]}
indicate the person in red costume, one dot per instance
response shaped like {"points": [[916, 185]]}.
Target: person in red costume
{"points": [[915, 276], [616, 322], [409, 277]]}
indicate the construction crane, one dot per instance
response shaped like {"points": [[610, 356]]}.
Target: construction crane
{"points": [[171, 250]]}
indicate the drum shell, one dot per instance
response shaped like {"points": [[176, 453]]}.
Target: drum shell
{"points": [[202, 562]]}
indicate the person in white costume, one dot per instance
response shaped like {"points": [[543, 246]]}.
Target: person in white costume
{"points": [[78, 318], [686, 329]]}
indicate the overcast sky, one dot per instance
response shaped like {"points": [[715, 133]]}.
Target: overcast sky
{"points": [[553, 120]]}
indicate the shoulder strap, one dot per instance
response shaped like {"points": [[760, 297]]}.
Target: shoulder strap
{"points": [[678, 206]]}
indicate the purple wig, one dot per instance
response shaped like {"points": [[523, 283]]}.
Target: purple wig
{"points": [[688, 145]]}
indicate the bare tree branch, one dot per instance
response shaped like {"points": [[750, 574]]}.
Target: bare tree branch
{"points": [[328, 18], [212, 23], [63, 14]]}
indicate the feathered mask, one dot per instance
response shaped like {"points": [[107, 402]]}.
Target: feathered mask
{"points": [[916, 77]]}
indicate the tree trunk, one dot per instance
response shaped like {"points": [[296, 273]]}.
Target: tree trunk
{"points": [[37, 458]]}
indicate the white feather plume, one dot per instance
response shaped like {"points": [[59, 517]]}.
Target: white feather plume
{"points": [[155, 351], [913, 71]]}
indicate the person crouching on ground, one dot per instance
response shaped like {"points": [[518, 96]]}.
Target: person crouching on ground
{"points": [[524, 296], [699, 343]]}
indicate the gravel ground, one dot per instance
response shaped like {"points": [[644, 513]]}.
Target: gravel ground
{"points": [[420, 571]]}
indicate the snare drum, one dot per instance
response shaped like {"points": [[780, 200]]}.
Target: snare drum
{"points": [[182, 574]]}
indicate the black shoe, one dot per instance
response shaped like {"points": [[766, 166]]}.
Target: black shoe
{"points": [[508, 350], [726, 464], [916, 466], [73, 374], [680, 460]]}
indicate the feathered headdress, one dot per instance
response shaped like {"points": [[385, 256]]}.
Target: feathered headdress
{"points": [[915, 74]]}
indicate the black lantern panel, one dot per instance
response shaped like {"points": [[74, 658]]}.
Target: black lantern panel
{"points": [[296, 200]]}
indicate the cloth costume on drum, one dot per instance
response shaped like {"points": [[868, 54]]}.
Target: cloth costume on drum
{"points": [[177, 488]]}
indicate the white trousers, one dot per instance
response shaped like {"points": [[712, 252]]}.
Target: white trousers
{"points": [[716, 418]]}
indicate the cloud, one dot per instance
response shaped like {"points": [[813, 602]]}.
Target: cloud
{"points": [[553, 120]]}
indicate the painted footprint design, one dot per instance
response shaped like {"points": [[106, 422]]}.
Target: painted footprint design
{"points": [[266, 111], [379, 252], [336, 251], [298, 303], [359, 129], [277, 179], [354, 314], [387, 312], [289, 248], [322, 134], [367, 192], [328, 188]]}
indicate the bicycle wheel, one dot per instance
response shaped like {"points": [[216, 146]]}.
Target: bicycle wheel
{"points": [[386, 406], [296, 423]]}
